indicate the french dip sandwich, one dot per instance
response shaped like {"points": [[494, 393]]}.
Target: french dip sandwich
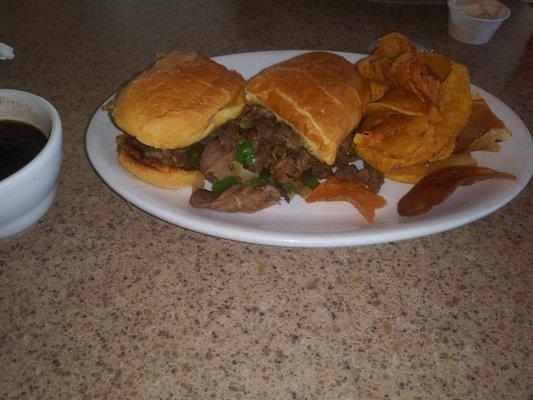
{"points": [[167, 110], [298, 114]]}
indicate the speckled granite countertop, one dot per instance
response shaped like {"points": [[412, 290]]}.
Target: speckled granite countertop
{"points": [[100, 300]]}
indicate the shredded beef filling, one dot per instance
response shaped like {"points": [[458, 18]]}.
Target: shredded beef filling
{"points": [[368, 176], [277, 149], [272, 163], [186, 158]]}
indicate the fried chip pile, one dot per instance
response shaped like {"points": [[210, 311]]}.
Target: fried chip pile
{"points": [[426, 104], [439, 185], [421, 116]]}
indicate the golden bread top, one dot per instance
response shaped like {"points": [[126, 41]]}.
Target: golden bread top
{"points": [[320, 95], [179, 101]]}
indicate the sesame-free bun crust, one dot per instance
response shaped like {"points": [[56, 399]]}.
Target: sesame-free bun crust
{"points": [[179, 101], [161, 175], [320, 95]]}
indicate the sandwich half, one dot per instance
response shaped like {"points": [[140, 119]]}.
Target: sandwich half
{"points": [[319, 95], [168, 110], [299, 113]]}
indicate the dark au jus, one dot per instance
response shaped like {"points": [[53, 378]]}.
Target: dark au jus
{"points": [[19, 144]]}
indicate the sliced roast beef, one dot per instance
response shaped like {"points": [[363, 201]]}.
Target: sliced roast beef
{"points": [[270, 138], [285, 136], [346, 153], [217, 157], [303, 160], [375, 178], [240, 197], [285, 170], [320, 170], [350, 173], [368, 176], [251, 114], [152, 156], [262, 144]]}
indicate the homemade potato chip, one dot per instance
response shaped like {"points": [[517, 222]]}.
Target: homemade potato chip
{"points": [[392, 45], [416, 172], [393, 140], [437, 64], [481, 121], [335, 189], [452, 110], [396, 61], [428, 104], [436, 187], [490, 141], [388, 47], [374, 69], [408, 72], [445, 151], [377, 90], [476, 95], [399, 100]]}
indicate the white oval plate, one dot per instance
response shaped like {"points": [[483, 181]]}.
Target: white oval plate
{"points": [[319, 224]]}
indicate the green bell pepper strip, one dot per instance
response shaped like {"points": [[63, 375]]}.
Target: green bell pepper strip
{"points": [[311, 182], [224, 184], [245, 153]]}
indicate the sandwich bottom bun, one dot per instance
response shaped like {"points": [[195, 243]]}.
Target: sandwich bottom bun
{"points": [[161, 175]]}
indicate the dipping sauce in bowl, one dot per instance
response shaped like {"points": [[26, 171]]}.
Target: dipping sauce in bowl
{"points": [[31, 139], [19, 144]]}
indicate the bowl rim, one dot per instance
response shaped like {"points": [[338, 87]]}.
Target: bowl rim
{"points": [[52, 142]]}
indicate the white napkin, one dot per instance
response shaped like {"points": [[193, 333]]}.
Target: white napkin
{"points": [[6, 52]]}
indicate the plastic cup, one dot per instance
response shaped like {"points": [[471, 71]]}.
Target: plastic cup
{"points": [[477, 29]]}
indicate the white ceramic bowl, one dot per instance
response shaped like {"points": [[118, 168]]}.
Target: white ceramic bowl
{"points": [[26, 195]]}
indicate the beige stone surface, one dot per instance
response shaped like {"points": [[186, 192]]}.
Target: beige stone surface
{"points": [[100, 300]]}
